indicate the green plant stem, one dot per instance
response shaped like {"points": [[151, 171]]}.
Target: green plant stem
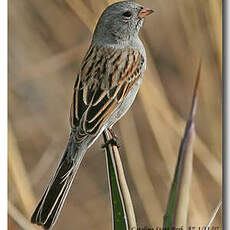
{"points": [[123, 212]]}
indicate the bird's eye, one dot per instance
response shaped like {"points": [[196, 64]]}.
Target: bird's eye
{"points": [[127, 14]]}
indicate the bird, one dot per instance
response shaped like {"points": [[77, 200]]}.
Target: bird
{"points": [[105, 88]]}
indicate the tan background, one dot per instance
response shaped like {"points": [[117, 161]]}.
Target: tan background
{"points": [[47, 41]]}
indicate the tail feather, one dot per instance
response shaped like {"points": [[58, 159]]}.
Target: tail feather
{"points": [[53, 199], [50, 221]]}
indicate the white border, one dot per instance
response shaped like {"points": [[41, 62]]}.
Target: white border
{"points": [[3, 113], [226, 123]]}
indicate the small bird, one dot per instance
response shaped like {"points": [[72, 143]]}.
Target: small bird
{"points": [[105, 88]]}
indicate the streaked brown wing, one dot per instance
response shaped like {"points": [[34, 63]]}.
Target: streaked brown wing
{"points": [[106, 77]]}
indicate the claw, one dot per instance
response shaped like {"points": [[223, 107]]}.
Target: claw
{"points": [[113, 141]]}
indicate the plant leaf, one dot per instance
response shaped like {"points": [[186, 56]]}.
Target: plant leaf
{"points": [[123, 213], [214, 215], [177, 210]]}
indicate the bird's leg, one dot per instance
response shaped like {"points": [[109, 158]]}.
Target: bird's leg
{"points": [[115, 140], [112, 141]]}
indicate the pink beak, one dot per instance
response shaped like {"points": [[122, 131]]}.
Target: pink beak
{"points": [[144, 12]]}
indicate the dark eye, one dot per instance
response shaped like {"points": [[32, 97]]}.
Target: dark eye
{"points": [[127, 14]]}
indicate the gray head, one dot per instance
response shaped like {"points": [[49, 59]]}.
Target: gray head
{"points": [[120, 21]]}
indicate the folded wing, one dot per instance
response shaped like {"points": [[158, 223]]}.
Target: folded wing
{"points": [[106, 77]]}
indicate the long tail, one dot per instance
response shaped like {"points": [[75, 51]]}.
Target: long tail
{"points": [[53, 199]]}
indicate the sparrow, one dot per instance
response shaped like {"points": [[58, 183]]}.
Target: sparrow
{"points": [[105, 88]]}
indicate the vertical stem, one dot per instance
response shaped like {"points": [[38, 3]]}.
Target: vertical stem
{"points": [[116, 175]]}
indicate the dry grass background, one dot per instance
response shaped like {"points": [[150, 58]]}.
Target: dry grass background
{"points": [[47, 41]]}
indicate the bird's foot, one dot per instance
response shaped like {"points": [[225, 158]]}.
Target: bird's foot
{"points": [[113, 141]]}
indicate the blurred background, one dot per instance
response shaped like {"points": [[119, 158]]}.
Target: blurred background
{"points": [[47, 41]]}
